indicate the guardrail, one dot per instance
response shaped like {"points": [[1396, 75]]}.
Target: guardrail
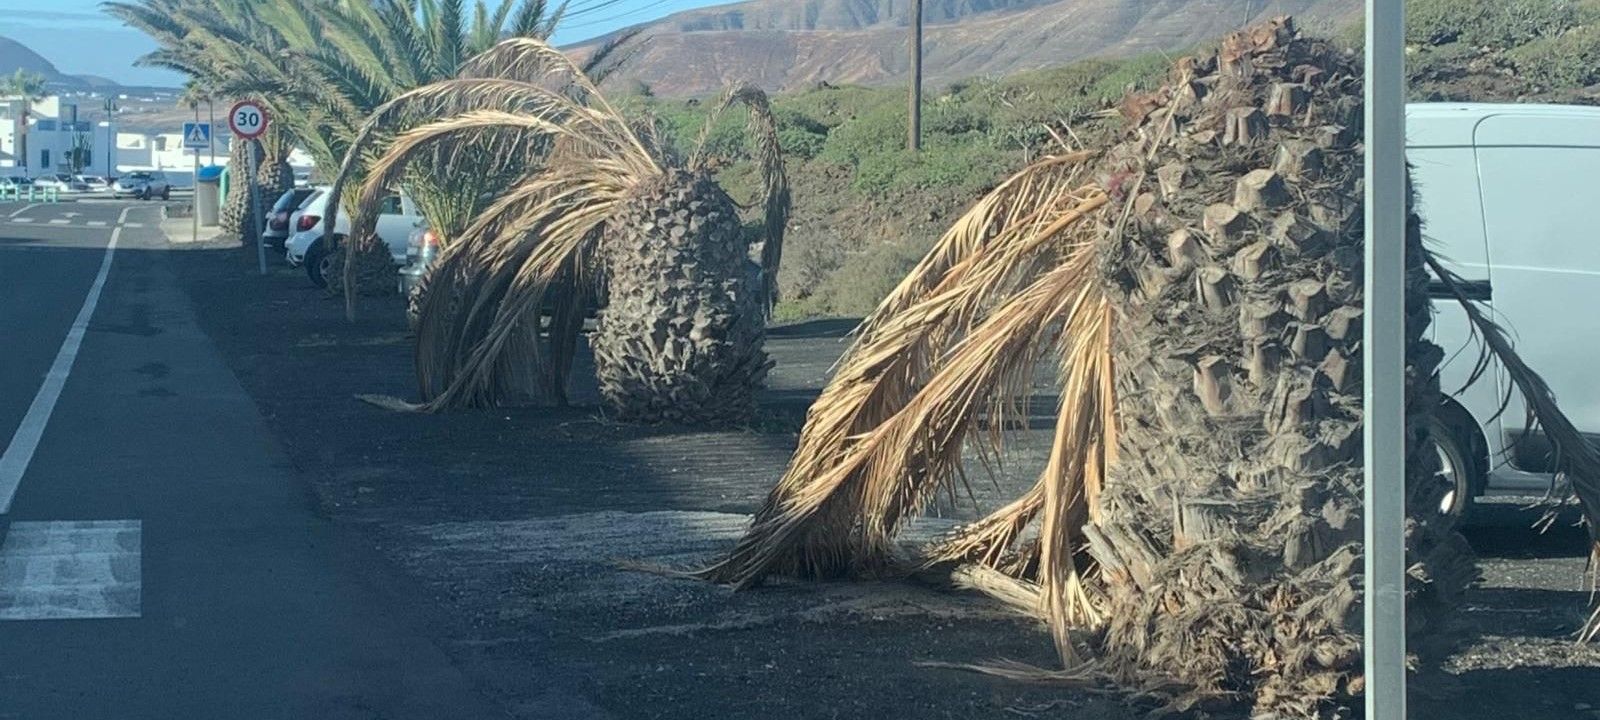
{"points": [[16, 193]]}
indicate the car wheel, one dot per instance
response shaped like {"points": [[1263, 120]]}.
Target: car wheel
{"points": [[166, 193], [317, 263], [1459, 467], [144, 194]]}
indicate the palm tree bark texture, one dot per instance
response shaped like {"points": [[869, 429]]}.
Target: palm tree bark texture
{"points": [[1195, 535]]}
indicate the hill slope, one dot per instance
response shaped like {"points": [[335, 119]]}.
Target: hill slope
{"points": [[788, 44], [15, 55]]}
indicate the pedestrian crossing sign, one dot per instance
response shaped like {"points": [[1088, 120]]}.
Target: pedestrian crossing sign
{"points": [[196, 135]]}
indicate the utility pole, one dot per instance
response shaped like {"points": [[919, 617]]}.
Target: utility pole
{"points": [[111, 135], [914, 142]]}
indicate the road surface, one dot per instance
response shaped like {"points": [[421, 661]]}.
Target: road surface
{"points": [[160, 559]]}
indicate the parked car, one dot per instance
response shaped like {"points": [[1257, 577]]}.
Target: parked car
{"points": [[143, 185], [422, 246], [278, 231], [62, 182], [16, 181], [396, 219], [96, 183], [1484, 175]]}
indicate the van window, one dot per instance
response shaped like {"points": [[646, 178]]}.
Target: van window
{"points": [[390, 205]]}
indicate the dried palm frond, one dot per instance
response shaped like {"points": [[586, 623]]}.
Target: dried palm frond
{"points": [[575, 165], [870, 455], [775, 203]]}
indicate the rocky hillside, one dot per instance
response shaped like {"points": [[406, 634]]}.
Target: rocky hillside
{"points": [[790, 44]]}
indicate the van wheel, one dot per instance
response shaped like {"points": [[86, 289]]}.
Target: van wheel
{"points": [[1459, 466], [318, 263]]}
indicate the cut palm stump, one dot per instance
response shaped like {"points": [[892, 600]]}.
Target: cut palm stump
{"points": [[1199, 287], [598, 215]]}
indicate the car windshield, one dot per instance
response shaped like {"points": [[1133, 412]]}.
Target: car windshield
{"points": [[136, 176]]}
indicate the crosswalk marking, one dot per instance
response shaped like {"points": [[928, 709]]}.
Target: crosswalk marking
{"points": [[60, 221], [76, 570], [21, 220], [96, 223]]}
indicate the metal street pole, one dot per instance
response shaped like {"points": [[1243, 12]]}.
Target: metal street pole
{"points": [[914, 142], [255, 204], [194, 204], [1383, 363]]}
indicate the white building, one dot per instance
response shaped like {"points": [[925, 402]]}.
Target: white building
{"points": [[59, 142], [53, 136]]}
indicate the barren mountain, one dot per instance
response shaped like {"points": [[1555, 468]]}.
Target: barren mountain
{"points": [[788, 44]]}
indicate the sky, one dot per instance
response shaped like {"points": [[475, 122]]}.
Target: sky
{"points": [[80, 39]]}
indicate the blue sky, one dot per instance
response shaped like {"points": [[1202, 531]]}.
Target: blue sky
{"points": [[80, 39]]}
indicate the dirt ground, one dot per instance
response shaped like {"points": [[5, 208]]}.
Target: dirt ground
{"points": [[513, 525]]}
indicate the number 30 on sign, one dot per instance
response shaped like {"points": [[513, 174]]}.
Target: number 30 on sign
{"points": [[248, 119]]}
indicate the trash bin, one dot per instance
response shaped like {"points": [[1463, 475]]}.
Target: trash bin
{"points": [[208, 195]]}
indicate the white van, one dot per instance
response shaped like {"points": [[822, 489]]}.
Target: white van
{"points": [[1510, 200]]}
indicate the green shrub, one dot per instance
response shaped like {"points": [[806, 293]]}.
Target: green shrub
{"points": [[861, 282], [969, 167], [799, 143], [1501, 24], [852, 142], [1571, 60]]}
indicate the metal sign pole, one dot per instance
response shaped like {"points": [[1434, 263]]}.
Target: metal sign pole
{"points": [[194, 202], [1383, 363], [255, 203]]}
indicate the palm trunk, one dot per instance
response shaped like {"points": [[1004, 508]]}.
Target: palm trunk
{"points": [[237, 212], [680, 339], [1228, 533]]}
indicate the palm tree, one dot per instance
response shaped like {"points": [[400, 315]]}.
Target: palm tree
{"points": [[597, 211], [321, 66], [28, 87], [1195, 534]]}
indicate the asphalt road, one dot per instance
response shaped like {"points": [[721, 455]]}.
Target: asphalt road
{"points": [[160, 558]]}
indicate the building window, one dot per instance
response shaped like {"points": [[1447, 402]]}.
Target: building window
{"points": [[44, 158], [161, 143], [47, 126]]}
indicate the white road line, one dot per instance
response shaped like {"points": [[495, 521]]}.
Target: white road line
{"points": [[24, 209], [59, 221], [20, 452], [132, 225], [22, 220], [96, 223]]}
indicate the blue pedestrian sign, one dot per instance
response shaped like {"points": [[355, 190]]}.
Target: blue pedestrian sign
{"points": [[196, 135]]}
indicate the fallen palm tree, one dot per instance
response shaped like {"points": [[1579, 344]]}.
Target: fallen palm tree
{"points": [[1195, 534], [598, 214]]}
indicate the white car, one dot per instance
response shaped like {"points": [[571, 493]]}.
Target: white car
{"points": [[396, 219], [96, 183], [1507, 195], [62, 182]]}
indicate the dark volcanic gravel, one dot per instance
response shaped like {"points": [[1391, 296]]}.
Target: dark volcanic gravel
{"points": [[511, 522]]}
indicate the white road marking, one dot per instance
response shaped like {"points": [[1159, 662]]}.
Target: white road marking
{"points": [[24, 209], [70, 215], [96, 223], [59, 221], [132, 225], [21, 220], [71, 570], [20, 452]]}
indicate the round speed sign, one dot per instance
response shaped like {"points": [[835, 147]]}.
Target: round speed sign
{"points": [[248, 119]]}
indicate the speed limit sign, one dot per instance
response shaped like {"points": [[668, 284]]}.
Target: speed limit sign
{"points": [[248, 119]]}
